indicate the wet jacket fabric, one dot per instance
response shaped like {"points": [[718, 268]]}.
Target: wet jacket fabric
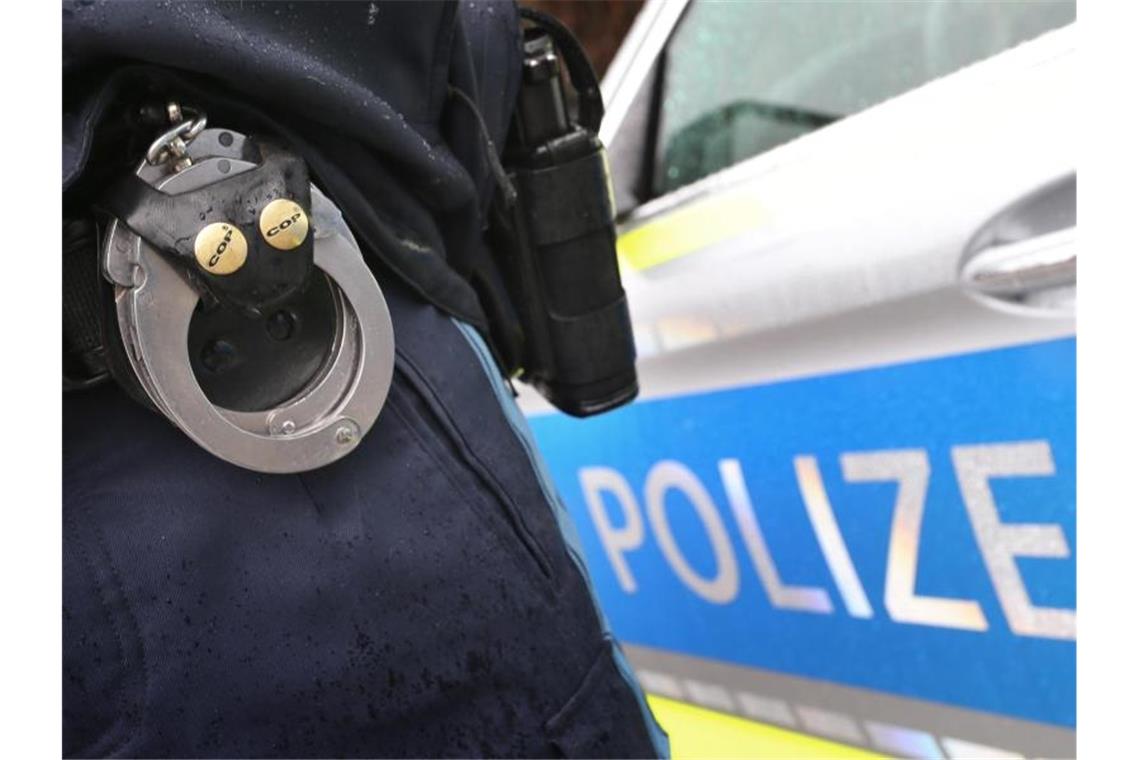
{"points": [[422, 597], [361, 89], [418, 598]]}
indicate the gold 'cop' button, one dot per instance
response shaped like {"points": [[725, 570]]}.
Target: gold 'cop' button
{"points": [[284, 224], [220, 248]]}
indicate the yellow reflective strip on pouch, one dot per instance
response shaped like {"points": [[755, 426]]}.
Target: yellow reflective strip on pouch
{"points": [[695, 732], [688, 229]]}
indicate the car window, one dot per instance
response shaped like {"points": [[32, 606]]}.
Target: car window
{"points": [[741, 78]]}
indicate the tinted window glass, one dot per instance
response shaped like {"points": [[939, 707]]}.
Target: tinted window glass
{"points": [[744, 77]]}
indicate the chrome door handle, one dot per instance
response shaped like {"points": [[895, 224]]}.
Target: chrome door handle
{"points": [[1025, 257], [1013, 271]]}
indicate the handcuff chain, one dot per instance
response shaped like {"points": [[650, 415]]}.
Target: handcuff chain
{"points": [[170, 146]]}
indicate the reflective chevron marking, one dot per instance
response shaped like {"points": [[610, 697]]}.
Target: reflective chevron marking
{"points": [[860, 717]]}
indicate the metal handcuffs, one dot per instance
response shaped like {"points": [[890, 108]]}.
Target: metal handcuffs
{"points": [[154, 303]]}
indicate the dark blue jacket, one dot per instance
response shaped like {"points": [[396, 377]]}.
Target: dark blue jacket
{"points": [[420, 597]]}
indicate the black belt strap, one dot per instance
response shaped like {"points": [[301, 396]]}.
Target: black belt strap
{"points": [[84, 354]]}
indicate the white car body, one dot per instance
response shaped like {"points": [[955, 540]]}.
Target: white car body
{"points": [[903, 282]]}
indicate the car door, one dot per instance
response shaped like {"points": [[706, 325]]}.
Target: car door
{"points": [[845, 500]]}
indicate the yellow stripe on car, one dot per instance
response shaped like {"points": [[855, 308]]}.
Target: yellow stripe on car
{"points": [[689, 228], [695, 732]]}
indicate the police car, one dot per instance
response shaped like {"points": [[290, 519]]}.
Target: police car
{"points": [[843, 507]]}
